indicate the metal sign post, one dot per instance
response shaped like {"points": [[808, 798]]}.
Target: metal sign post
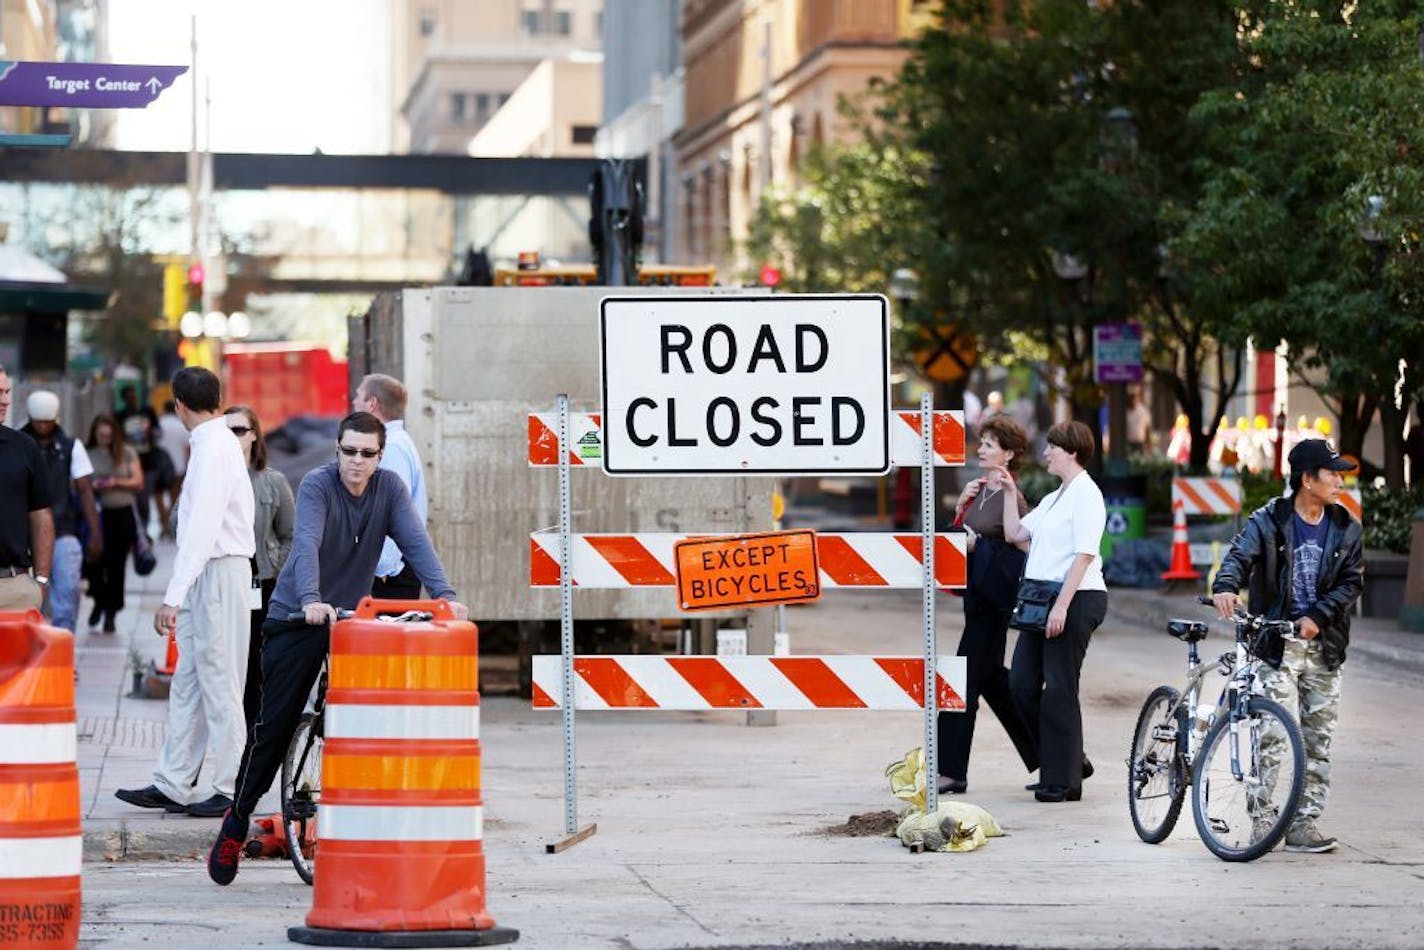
{"points": [[566, 639], [927, 542]]}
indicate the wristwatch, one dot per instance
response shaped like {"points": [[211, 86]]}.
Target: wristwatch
{"points": [[41, 579]]}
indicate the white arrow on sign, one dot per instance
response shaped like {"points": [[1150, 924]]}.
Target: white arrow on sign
{"points": [[154, 86]]}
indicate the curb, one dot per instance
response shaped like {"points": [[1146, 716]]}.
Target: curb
{"points": [[114, 840]]}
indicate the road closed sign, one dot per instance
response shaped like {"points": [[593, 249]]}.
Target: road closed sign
{"points": [[783, 385], [747, 570]]}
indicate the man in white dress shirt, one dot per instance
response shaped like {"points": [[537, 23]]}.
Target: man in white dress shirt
{"points": [[385, 398], [208, 603]]}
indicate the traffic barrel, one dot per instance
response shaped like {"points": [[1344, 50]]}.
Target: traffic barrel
{"points": [[170, 656], [1181, 567], [41, 843], [400, 851]]}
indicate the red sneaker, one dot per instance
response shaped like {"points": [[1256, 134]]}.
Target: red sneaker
{"points": [[227, 850]]}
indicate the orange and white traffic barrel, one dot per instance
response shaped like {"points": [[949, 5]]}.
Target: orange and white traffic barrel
{"points": [[400, 827], [41, 843]]}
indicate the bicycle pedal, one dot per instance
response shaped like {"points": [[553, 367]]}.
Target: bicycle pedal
{"points": [[1219, 826]]}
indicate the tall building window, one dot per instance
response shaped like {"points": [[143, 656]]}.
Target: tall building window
{"points": [[457, 107], [427, 21], [584, 134], [482, 107], [531, 20], [563, 22], [503, 98]]}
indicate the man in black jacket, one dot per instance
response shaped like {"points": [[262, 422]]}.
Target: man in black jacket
{"points": [[1301, 556]]}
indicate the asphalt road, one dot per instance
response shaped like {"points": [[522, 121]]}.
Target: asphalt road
{"points": [[711, 833]]}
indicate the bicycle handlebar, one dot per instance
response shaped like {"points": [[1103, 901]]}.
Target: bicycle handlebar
{"points": [[300, 616], [409, 616], [1255, 622]]}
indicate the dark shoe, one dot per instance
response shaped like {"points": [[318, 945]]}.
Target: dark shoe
{"points": [[96, 615], [951, 786], [109, 624], [227, 850], [149, 797], [214, 807], [1058, 793], [1088, 771]]}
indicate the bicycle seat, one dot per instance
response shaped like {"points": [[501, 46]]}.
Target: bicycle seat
{"points": [[1188, 631]]}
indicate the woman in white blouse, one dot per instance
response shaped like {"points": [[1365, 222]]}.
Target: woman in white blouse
{"points": [[1065, 534]]}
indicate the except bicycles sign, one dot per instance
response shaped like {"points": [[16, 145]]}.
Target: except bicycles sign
{"points": [[747, 570], [84, 85]]}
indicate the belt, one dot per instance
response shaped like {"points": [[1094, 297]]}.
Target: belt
{"points": [[13, 571]]}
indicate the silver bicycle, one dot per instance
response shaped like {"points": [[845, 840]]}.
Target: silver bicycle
{"points": [[1242, 756]]}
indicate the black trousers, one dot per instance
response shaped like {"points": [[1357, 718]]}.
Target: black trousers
{"points": [[292, 654], [402, 586], [252, 692], [982, 646], [1044, 681], [107, 576]]}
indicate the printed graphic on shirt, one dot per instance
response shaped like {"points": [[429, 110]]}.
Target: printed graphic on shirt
{"points": [[1305, 571]]}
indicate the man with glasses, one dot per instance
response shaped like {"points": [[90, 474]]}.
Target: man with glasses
{"points": [[345, 510]]}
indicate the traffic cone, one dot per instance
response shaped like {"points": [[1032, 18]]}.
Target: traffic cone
{"points": [[170, 659], [1181, 568]]}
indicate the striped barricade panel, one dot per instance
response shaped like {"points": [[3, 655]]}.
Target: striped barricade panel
{"points": [[586, 436], [869, 559], [400, 827], [1354, 503], [1208, 496], [749, 682], [41, 843]]}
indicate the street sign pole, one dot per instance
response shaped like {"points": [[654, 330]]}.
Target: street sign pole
{"points": [[927, 554]]}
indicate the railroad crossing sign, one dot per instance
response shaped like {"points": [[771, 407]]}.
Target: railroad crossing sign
{"points": [[84, 85], [795, 384]]}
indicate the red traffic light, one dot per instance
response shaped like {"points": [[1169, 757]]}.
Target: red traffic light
{"points": [[195, 274], [770, 275]]}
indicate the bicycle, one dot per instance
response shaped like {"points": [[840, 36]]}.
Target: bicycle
{"points": [[1243, 757], [301, 767]]}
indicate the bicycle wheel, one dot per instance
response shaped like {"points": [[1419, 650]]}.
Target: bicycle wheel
{"points": [[1247, 783], [301, 793], [1156, 780]]}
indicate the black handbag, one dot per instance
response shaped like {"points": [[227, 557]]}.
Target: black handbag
{"points": [[995, 567], [143, 557], [1035, 601]]}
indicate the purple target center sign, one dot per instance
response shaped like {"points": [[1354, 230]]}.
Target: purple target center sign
{"points": [[84, 85]]}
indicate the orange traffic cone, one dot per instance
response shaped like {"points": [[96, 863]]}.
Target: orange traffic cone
{"points": [[1181, 569], [170, 659]]}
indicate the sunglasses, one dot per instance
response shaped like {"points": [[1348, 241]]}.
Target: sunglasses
{"points": [[240, 431], [352, 452]]}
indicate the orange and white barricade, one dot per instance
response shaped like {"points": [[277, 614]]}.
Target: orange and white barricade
{"points": [[400, 851], [1352, 501], [41, 843], [1207, 496]]}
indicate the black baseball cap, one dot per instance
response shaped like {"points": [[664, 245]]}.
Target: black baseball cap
{"points": [[1311, 454]]}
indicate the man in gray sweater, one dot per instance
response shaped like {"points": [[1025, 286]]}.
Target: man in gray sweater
{"points": [[345, 510]]}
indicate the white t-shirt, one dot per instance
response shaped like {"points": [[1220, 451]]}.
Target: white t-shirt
{"points": [[173, 437], [79, 462], [1062, 528]]}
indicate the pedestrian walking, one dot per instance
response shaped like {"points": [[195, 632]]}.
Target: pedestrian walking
{"points": [[1300, 556], [140, 425], [118, 479], [995, 567], [344, 510], [207, 605], [68, 470], [385, 398], [1065, 535], [26, 526], [173, 439], [275, 512]]}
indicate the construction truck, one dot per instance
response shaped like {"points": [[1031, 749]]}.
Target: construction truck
{"points": [[476, 361]]}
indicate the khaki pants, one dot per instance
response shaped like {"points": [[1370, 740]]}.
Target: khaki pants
{"points": [[20, 593]]}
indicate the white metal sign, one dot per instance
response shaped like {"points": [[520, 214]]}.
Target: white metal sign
{"points": [[782, 385]]}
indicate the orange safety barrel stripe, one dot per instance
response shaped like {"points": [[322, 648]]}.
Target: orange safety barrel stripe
{"points": [[44, 684], [816, 681], [399, 772], [36, 799], [37, 715], [404, 672], [394, 696], [377, 638], [400, 797]]}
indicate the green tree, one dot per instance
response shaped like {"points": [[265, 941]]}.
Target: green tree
{"points": [[1318, 147]]}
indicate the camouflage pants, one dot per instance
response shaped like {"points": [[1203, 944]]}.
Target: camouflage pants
{"points": [[1311, 692]]}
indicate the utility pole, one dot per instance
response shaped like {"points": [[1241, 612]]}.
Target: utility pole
{"points": [[764, 165]]}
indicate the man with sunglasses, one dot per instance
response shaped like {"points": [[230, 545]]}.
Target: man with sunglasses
{"points": [[345, 511]]}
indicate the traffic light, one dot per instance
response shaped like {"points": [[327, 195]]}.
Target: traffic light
{"points": [[196, 276]]}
